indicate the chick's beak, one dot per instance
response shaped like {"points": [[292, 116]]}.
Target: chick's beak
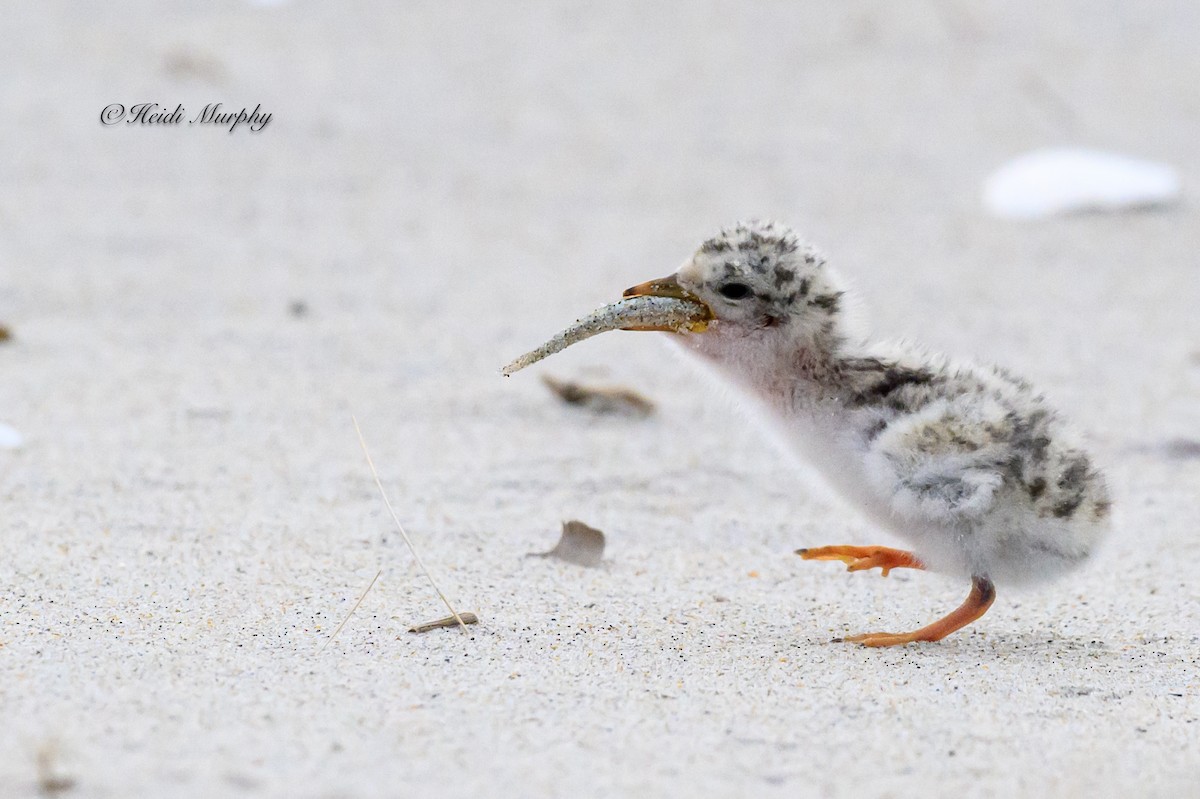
{"points": [[668, 287], [662, 287]]}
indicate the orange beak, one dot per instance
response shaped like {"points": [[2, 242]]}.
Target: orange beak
{"points": [[667, 287]]}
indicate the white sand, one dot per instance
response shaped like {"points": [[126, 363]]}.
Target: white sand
{"points": [[190, 515]]}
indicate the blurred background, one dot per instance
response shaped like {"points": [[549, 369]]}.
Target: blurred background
{"points": [[195, 313], [521, 164]]}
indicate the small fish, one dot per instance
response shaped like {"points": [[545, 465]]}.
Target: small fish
{"points": [[632, 313]]}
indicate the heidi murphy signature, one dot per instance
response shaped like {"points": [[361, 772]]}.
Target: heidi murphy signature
{"points": [[155, 114]]}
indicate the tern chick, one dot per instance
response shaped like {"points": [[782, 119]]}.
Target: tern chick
{"points": [[966, 463]]}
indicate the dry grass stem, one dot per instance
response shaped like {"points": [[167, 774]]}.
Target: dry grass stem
{"points": [[361, 597], [395, 518]]}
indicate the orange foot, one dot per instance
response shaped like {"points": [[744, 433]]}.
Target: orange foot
{"points": [[860, 558], [983, 593]]}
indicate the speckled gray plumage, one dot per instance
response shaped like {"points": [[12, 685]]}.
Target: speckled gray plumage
{"points": [[966, 462]]}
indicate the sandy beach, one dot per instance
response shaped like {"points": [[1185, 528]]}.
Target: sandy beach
{"points": [[196, 315]]}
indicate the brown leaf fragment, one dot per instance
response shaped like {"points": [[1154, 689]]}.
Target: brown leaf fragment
{"points": [[601, 399], [5, 333], [467, 616], [579, 544], [1175, 449], [189, 65], [53, 776]]}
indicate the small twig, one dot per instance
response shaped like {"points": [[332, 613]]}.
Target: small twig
{"points": [[361, 597], [467, 616], [374, 473]]}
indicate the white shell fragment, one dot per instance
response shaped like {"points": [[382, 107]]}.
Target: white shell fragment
{"points": [[646, 311], [10, 437], [1067, 180]]}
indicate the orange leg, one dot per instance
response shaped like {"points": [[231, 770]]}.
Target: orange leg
{"points": [[859, 558], [983, 594]]}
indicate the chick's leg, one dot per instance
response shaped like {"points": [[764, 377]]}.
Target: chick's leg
{"points": [[983, 593], [859, 558]]}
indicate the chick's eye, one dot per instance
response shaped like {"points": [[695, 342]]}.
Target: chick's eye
{"points": [[734, 291]]}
